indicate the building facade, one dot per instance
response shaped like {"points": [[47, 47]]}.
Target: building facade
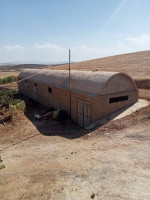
{"points": [[93, 95]]}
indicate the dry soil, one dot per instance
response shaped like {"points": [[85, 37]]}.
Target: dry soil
{"points": [[52, 160]]}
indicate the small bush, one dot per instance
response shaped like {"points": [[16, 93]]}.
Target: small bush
{"points": [[15, 101], [2, 166], [6, 96], [8, 79], [1, 159], [17, 104]]}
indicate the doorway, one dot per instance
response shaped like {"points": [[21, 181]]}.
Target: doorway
{"points": [[83, 113]]}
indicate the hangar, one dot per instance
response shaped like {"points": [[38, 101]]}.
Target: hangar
{"points": [[93, 94]]}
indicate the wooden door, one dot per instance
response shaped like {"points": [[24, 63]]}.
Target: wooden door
{"points": [[83, 113]]}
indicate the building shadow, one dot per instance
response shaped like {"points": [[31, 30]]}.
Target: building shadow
{"points": [[49, 127], [66, 128]]}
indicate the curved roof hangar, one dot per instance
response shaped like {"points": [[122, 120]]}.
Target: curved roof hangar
{"points": [[93, 83]]}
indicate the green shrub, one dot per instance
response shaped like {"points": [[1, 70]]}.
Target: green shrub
{"points": [[6, 96], [8, 79], [2, 166], [15, 101], [1, 159]]}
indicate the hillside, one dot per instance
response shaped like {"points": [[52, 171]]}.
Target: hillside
{"points": [[136, 64]]}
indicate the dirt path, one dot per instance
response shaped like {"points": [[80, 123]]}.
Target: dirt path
{"points": [[108, 164]]}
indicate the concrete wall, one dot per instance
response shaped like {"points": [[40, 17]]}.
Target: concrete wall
{"points": [[117, 84], [100, 106], [103, 108], [58, 98]]}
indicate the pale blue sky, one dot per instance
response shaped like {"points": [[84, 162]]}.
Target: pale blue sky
{"points": [[44, 30]]}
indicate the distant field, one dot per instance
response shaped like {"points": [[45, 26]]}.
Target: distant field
{"points": [[5, 74]]}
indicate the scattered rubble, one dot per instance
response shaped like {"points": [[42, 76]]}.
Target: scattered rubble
{"points": [[93, 196], [59, 115]]}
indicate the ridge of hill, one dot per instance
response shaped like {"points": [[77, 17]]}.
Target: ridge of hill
{"points": [[135, 64]]}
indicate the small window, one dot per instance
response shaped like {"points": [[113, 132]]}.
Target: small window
{"points": [[35, 87], [117, 99], [49, 90]]}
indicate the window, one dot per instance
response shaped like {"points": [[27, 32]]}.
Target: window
{"points": [[117, 99], [35, 87], [49, 90], [26, 82]]}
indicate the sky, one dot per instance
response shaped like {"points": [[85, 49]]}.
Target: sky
{"points": [[43, 31]]}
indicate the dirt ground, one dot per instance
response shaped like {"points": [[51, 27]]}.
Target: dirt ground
{"points": [[59, 161]]}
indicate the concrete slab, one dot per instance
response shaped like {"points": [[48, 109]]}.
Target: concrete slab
{"points": [[140, 104]]}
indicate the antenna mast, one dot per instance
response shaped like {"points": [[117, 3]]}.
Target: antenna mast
{"points": [[70, 81]]}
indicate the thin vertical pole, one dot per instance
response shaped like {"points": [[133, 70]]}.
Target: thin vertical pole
{"points": [[70, 81]]}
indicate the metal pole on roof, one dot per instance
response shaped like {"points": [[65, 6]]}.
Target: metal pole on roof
{"points": [[70, 81]]}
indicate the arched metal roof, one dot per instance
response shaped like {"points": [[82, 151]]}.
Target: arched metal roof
{"points": [[86, 82]]}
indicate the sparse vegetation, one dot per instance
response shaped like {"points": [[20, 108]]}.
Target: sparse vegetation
{"points": [[135, 64], [8, 79], [9, 104], [1, 159], [2, 166], [6, 96], [4, 74], [15, 101]]}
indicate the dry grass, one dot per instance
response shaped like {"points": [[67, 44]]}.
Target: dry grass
{"points": [[10, 85], [135, 64], [11, 73]]}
